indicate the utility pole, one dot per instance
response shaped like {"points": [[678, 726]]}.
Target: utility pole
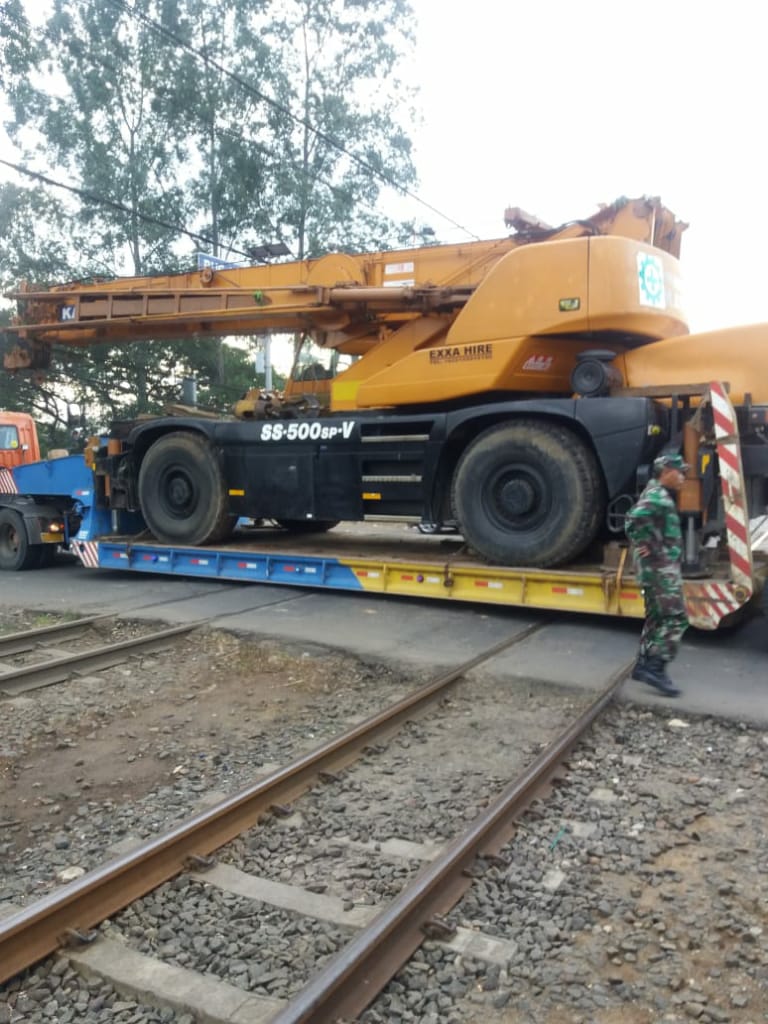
{"points": [[268, 362]]}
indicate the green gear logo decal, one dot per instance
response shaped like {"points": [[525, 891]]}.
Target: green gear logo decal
{"points": [[650, 279]]}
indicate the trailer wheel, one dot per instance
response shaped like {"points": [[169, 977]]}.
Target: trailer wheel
{"points": [[182, 493], [528, 493], [308, 525], [16, 553]]}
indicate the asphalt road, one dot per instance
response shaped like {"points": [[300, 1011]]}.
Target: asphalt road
{"points": [[723, 673]]}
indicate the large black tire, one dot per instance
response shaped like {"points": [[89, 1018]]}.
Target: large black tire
{"points": [[182, 491], [16, 553], [528, 493], [308, 525]]}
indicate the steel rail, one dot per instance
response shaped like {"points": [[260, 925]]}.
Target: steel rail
{"points": [[32, 677], [356, 975], [39, 929], [18, 643]]}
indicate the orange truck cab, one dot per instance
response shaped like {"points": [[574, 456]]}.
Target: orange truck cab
{"points": [[18, 440]]}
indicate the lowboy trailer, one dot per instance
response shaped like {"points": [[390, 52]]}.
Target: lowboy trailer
{"points": [[66, 502], [514, 390]]}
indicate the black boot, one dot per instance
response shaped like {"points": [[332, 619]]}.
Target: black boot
{"points": [[640, 667], [652, 670]]}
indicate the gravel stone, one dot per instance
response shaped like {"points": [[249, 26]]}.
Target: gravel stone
{"points": [[639, 881]]}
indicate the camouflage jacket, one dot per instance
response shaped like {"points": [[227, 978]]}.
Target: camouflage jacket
{"points": [[654, 522]]}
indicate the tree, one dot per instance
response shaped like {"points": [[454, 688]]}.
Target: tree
{"points": [[27, 254], [17, 51], [121, 382], [100, 128], [253, 121], [103, 131], [21, 393], [339, 113], [219, 102], [347, 140], [293, 113], [29, 250]]}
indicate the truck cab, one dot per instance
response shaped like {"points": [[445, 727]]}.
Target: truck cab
{"points": [[18, 440]]}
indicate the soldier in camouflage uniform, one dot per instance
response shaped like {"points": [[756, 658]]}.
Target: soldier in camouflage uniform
{"points": [[653, 529]]}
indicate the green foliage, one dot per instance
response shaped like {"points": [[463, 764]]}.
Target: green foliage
{"points": [[21, 394], [34, 238], [247, 122], [99, 128], [17, 52], [341, 60], [145, 377], [218, 105]]}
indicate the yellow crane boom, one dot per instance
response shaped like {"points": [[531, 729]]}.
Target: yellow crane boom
{"points": [[430, 323]]}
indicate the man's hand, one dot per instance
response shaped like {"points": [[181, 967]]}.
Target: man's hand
{"points": [[643, 550]]}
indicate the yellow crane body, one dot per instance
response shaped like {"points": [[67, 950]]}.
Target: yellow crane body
{"points": [[430, 324]]}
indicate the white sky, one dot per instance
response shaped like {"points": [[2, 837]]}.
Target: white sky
{"points": [[556, 106]]}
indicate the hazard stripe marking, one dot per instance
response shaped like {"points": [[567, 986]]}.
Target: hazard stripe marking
{"points": [[732, 490], [88, 553], [729, 457], [724, 423], [736, 526]]}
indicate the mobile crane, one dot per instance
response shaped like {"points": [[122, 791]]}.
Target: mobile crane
{"points": [[518, 388]]}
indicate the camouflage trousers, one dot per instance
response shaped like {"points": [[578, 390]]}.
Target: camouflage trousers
{"points": [[665, 617]]}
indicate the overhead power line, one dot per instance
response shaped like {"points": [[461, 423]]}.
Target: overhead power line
{"points": [[297, 118], [92, 197], [148, 218]]}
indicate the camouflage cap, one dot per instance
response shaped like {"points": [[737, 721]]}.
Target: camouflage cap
{"points": [[672, 460]]}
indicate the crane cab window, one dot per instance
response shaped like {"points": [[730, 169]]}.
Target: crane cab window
{"points": [[312, 362], [9, 437]]}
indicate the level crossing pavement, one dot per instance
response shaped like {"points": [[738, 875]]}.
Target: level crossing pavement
{"points": [[724, 673]]}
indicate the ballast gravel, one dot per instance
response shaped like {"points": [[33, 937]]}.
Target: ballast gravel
{"points": [[132, 750], [56, 994], [635, 892], [129, 752], [243, 942], [423, 786]]}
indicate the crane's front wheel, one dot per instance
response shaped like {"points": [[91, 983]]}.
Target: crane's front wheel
{"points": [[528, 493], [182, 491]]}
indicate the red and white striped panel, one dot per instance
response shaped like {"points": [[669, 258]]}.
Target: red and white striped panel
{"points": [[732, 486], [706, 602], [88, 553], [7, 483]]}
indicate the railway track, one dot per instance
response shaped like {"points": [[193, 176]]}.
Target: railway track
{"points": [[50, 664], [348, 984], [351, 980], [30, 639], [57, 665]]}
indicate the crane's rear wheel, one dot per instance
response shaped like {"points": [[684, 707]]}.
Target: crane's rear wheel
{"points": [[528, 493], [308, 525], [182, 492], [16, 553]]}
